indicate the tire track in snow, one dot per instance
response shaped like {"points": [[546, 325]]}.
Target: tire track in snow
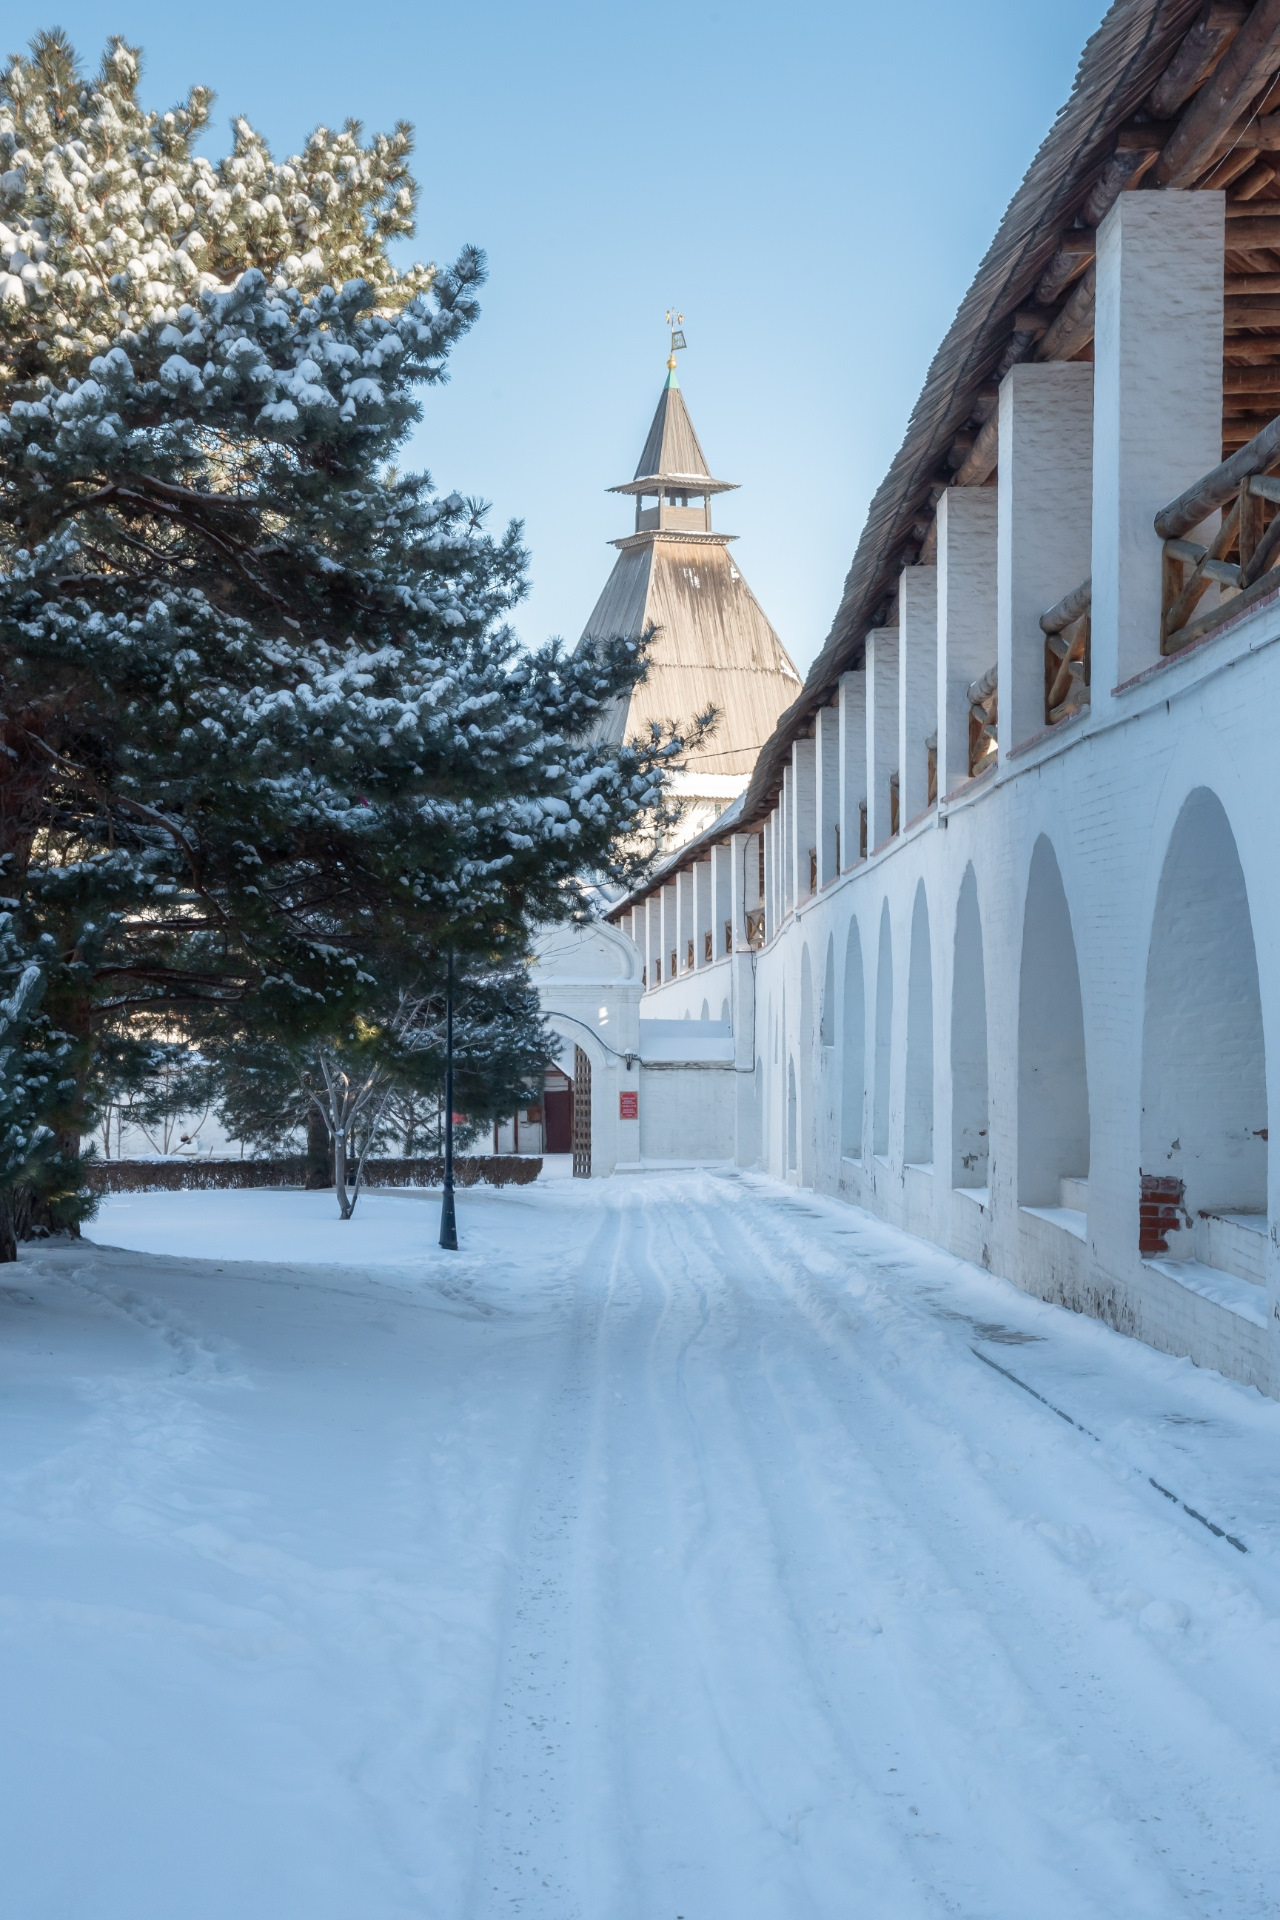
{"points": [[788, 1826], [529, 1830], [1162, 1731], [929, 1728]]}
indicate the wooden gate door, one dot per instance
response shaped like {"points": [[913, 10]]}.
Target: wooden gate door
{"points": [[581, 1115]]}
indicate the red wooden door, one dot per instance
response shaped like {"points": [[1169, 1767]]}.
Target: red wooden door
{"points": [[557, 1105]]}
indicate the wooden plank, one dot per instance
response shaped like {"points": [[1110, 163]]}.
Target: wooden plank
{"points": [[1216, 488], [1264, 172], [1264, 555], [1242, 311], [1251, 516], [1251, 283], [1248, 63], [1251, 379], [1237, 160], [1259, 135]]}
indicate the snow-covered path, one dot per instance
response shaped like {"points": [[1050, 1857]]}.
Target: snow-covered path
{"points": [[685, 1546]]}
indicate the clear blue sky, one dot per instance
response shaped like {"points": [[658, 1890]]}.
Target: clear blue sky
{"points": [[812, 184]]}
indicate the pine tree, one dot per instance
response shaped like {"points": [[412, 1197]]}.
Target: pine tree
{"points": [[265, 733], [362, 1082], [109, 218]]}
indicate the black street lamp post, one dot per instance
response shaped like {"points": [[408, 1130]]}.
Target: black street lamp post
{"points": [[448, 1223]]}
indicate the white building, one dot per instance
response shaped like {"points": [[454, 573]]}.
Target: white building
{"points": [[991, 943]]}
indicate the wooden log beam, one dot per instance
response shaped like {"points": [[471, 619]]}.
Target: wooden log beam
{"points": [[1199, 52], [1251, 379], [1123, 170], [1076, 249], [1073, 327], [1258, 230], [1216, 488], [983, 455], [1264, 555], [1206, 622], [1248, 63], [1071, 606], [1251, 283]]}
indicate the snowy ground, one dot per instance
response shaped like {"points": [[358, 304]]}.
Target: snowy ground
{"points": [[676, 1549]]}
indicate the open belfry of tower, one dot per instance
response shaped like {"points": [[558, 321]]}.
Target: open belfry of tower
{"points": [[713, 644]]}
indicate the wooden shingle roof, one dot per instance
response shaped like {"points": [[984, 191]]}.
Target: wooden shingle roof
{"points": [[713, 643], [672, 452], [1140, 92]]}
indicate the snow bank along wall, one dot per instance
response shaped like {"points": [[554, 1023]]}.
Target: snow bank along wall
{"points": [[995, 930]]}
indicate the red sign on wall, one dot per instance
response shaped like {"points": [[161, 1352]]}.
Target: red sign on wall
{"points": [[628, 1106]]}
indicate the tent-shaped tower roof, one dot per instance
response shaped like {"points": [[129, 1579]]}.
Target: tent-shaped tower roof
{"points": [[714, 645], [673, 450]]}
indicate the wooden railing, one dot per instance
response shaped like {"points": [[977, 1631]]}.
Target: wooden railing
{"points": [[1250, 530], [984, 715], [1066, 654]]}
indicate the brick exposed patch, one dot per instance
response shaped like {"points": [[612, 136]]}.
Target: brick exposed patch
{"points": [[1160, 1211]]}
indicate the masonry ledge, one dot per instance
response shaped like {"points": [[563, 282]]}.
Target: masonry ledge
{"points": [[1069, 1219], [1074, 724], [1247, 616], [1243, 1297], [979, 1197]]}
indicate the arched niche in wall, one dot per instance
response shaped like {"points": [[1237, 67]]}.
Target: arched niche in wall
{"points": [[792, 1119], [970, 1128], [918, 1117], [1204, 1073], [828, 1029], [807, 1144], [853, 1090], [884, 1038], [1053, 1084]]}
